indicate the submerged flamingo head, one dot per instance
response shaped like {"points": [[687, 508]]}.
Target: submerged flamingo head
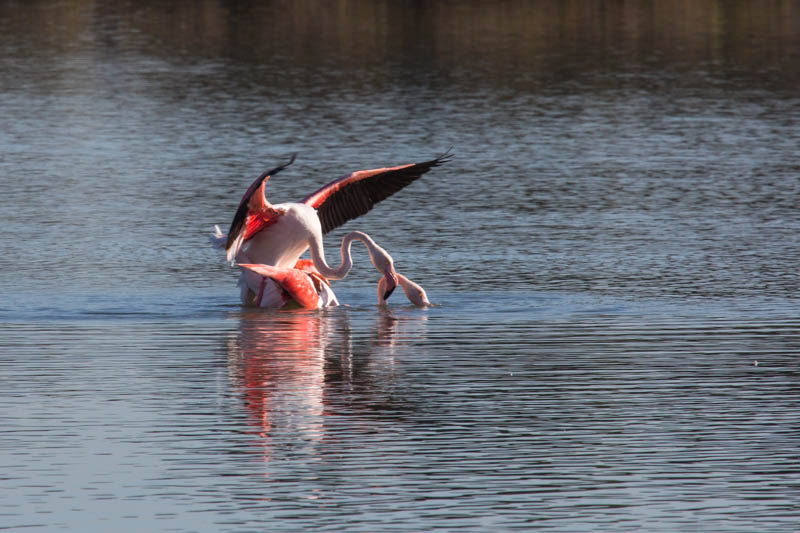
{"points": [[414, 292], [390, 283]]}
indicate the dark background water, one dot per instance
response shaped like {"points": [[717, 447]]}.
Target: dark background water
{"points": [[614, 249]]}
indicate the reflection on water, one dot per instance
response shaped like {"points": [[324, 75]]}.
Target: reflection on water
{"points": [[608, 418], [424, 43], [278, 361], [296, 370]]}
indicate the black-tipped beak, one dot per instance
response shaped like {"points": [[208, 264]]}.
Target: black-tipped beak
{"points": [[391, 282], [388, 293]]}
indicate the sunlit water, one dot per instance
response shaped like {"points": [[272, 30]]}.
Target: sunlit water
{"points": [[613, 252]]}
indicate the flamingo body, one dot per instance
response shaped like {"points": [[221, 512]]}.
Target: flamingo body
{"points": [[285, 239], [297, 286]]}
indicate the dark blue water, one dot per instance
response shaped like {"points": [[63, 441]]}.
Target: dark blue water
{"points": [[613, 252]]}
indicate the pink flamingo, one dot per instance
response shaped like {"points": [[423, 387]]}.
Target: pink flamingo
{"points": [[267, 240]]}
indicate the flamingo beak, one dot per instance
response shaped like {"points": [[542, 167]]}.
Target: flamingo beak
{"points": [[391, 282]]}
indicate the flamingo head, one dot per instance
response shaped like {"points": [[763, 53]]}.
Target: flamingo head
{"points": [[390, 281], [383, 263], [414, 292]]}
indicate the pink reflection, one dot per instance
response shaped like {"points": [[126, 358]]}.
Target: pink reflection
{"points": [[292, 367]]}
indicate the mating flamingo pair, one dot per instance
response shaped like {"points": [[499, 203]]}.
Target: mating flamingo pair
{"points": [[267, 240]]}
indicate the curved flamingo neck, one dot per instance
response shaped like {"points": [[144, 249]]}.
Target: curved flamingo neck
{"points": [[318, 254]]}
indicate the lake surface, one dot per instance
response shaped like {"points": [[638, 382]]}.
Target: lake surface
{"points": [[613, 251]]}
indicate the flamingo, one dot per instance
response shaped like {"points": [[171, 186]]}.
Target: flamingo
{"points": [[267, 240]]}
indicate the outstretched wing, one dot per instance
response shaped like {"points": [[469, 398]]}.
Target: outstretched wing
{"points": [[355, 194], [240, 218]]}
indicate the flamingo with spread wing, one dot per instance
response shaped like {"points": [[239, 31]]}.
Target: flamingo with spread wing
{"points": [[267, 239]]}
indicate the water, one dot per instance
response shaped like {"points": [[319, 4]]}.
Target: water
{"points": [[613, 250]]}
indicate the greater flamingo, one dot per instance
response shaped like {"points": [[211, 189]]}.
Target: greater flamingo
{"points": [[267, 240]]}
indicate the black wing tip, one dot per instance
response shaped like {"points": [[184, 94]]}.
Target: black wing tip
{"points": [[446, 157], [441, 159], [281, 167], [241, 213], [424, 167]]}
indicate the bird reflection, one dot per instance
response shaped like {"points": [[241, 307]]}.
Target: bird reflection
{"points": [[298, 371]]}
